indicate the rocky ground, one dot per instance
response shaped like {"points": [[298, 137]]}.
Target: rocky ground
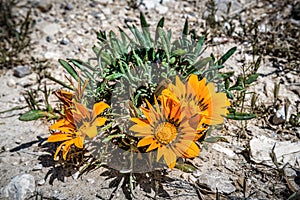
{"points": [[241, 168]]}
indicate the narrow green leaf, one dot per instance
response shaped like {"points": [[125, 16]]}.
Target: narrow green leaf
{"points": [[252, 78], [143, 20], [69, 68], [179, 52], [215, 139], [59, 82], [229, 53], [185, 167], [203, 62], [257, 63], [240, 116], [238, 84], [159, 25], [185, 31], [33, 115], [165, 42], [226, 75], [199, 46]]}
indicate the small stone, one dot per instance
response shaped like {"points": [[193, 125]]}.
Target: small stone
{"points": [[41, 182], [20, 187], [11, 83], [64, 41], [69, 6], [48, 38], [92, 4], [44, 5], [21, 71], [161, 9], [37, 167], [51, 55], [216, 180], [18, 141], [50, 29]]}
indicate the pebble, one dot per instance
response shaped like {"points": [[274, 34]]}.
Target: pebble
{"points": [[37, 167], [215, 180], [20, 187], [50, 29], [48, 38], [21, 71], [161, 9], [65, 41], [41, 182], [11, 83], [44, 5], [69, 6]]}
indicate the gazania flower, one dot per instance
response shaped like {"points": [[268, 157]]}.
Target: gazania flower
{"points": [[167, 129], [200, 97], [75, 125]]}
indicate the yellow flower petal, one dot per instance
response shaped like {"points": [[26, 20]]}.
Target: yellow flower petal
{"points": [[144, 130], [58, 150], [153, 146], [170, 157], [98, 108], [59, 137], [145, 141], [66, 148], [78, 141]]}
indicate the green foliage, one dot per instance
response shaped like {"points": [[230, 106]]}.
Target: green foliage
{"points": [[135, 60]]}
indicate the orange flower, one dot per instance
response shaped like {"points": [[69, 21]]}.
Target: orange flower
{"points": [[75, 125], [167, 129], [200, 97]]}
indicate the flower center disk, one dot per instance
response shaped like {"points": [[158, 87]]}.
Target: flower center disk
{"points": [[165, 132]]}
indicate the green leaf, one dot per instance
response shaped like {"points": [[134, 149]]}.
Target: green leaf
{"points": [[143, 20], [179, 52], [159, 25], [59, 82], [185, 31], [33, 115], [240, 116], [229, 53], [229, 94], [185, 167], [203, 62], [252, 78], [69, 68], [165, 42], [226, 75], [257, 63], [238, 84], [199, 46], [215, 139], [82, 66]]}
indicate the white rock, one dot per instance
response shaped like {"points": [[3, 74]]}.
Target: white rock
{"points": [[216, 180], [37, 167], [285, 152], [11, 83], [41, 182], [161, 9], [52, 55], [225, 150], [51, 29], [20, 187]]}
